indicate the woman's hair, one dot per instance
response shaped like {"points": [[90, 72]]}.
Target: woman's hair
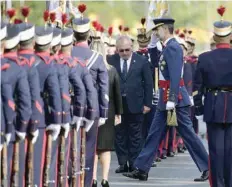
{"points": [[98, 45]]}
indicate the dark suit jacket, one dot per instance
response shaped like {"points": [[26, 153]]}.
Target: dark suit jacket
{"points": [[138, 84]]}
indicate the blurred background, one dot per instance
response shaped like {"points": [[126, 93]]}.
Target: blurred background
{"points": [[197, 16]]}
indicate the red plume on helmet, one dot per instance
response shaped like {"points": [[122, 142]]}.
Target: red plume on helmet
{"points": [[126, 29], [64, 19], [120, 28], [82, 8], [95, 24], [221, 10], [143, 20], [25, 11], [102, 29], [46, 15], [53, 17], [17, 21], [11, 13], [182, 35], [110, 31]]}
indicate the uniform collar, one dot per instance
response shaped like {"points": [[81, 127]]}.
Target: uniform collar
{"points": [[43, 53], [11, 54], [26, 51], [166, 41], [82, 44], [143, 50], [223, 46]]}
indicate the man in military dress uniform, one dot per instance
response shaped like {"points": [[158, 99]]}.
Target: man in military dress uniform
{"points": [[170, 80], [213, 80], [95, 64]]}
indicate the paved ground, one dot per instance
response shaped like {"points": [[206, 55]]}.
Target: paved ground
{"points": [[178, 172]]}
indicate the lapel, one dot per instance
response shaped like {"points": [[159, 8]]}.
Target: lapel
{"points": [[132, 66]]}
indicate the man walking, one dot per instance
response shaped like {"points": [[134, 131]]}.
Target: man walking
{"points": [[136, 90]]}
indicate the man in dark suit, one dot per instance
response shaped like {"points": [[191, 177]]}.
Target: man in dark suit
{"points": [[136, 90]]}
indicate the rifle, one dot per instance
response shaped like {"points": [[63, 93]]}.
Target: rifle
{"points": [[15, 169], [4, 166], [83, 150], [29, 163], [46, 180], [74, 156], [61, 171]]}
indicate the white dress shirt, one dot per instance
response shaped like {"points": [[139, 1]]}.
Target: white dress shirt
{"points": [[128, 64]]}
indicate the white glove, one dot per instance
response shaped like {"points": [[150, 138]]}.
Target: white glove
{"points": [[191, 100], [200, 118], [1, 146], [153, 42], [101, 121], [8, 138], [20, 135], [88, 124], [35, 135], [55, 128], [170, 105], [66, 128], [78, 121]]}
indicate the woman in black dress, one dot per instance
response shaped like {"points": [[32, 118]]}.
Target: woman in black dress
{"points": [[105, 142]]}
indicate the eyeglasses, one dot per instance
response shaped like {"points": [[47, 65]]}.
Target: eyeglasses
{"points": [[124, 50]]}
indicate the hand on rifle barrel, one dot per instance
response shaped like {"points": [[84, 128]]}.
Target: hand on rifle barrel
{"points": [[88, 124], [35, 135], [55, 130], [101, 121], [8, 138], [78, 121], [66, 128], [170, 105], [21, 135]]}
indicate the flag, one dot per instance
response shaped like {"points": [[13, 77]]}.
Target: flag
{"points": [[151, 15]]}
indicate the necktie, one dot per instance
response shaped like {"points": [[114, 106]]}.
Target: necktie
{"points": [[124, 69]]}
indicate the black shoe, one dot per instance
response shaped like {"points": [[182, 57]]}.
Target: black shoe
{"points": [[203, 177], [122, 169], [185, 148], [154, 164], [137, 174], [158, 159], [131, 168], [170, 154], [105, 183], [180, 150], [163, 157], [94, 183]]}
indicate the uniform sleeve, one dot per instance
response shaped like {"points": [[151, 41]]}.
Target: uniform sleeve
{"points": [[198, 88], [103, 82], [90, 94], [188, 77], [117, 94], [23, 101], [36, 101], [52, 86], [174, 60], [8, 106], [148, 84], [65, 95], [79, 92]]}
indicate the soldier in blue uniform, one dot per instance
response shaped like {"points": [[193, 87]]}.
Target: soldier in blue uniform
{"points": [[16, 77], [213, 80], [50, 91], [170, 80], [95, 64]]}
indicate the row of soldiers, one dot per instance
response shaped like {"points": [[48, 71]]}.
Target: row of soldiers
{"points": [[54, 95]]}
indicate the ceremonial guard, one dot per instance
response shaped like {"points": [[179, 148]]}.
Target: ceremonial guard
{"points": [[16, 120], [174, 97], [50, 91], [95, 64], [213, 80]]}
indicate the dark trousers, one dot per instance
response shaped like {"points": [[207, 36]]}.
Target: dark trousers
{"points": [[193, 143], [194, 119], [220, 154], [91, 142], [128, 136]]}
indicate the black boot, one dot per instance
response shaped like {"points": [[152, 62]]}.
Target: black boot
{"points": [[94, 183], [105, 183], [137, 174], [203, 177]]}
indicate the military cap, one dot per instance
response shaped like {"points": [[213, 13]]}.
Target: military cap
{"points": [[163, 20], [222, 28], [3, 31], [66, 36], [43, 35], [13, 36], [27, 31], [81, 24], [56, 36], [142, 37]]}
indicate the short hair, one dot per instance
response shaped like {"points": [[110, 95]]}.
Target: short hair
{"points": [[65, 48], [170, 28], [12, 49], [26, 43], [41, 48], [123, 38], [80, 37]]}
